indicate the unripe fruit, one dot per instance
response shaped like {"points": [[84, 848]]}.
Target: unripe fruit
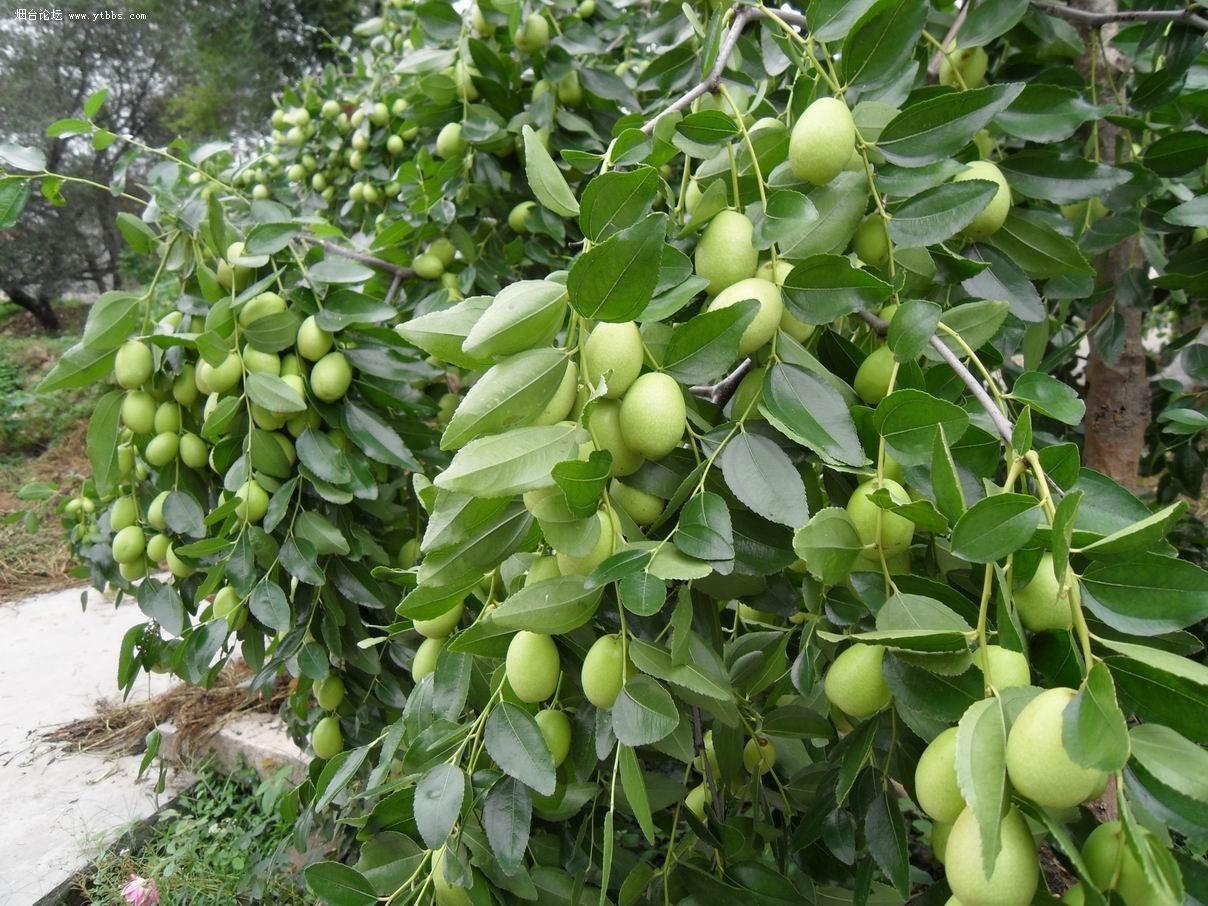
{"points": [[725, 253], [935, 785], [184, 386], [855, 684], [587, 9], [759, 754], [604, 548], [125, 459], [613, 352], [532, 666], [329, 692], [313, 342], [641, 507], [541, 569], [427, 266], [767, 318], [518, 217], [123, 513], [570, 92], [222, 378], [449, 141], [1040, 603], [167, 418], [563, 400], [605, 427], [380, 114], [440, 627], [940, 832], [155, 512], [327, 740], [1112, 866], [874, 374], [129, 544], [992, 216], [253, 501], [162, 449], [746, 399], [1007, 668], [1016, 870], [443, 249], [425, 658], [132, 365], [603, 671], [555, 728], [822, 141], [969, 62], [330, 110], [534, 34], [871, 242], [193, 451], [138, 411], [653, 415], [157, 547], [1037, 762], [446, 893], [696, 800], [894, 533], [135, 569], [331, 377]]}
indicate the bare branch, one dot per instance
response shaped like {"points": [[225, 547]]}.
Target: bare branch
{"points": [[719, 394], [1088, 17], [400, 272], [933, 68], [1005, 429]]}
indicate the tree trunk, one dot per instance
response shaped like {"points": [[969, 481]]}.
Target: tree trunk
{"points": [[1117, 392], [40, 308]]}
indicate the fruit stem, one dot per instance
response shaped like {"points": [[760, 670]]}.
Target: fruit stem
{"points": [[940, 49], [983, 609]]}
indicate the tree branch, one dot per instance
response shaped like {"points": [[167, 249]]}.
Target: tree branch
{"points": [[1088, 17], [400, 272], [742, 16], [719, 394], [1003, 425], [933, 68]]}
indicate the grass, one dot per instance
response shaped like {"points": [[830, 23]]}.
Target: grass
{"points": [[222, 842]]}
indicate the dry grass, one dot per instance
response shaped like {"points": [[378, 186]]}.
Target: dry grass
{"points": [[196, 713]]}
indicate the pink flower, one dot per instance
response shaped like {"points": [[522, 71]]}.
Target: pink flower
{"points": [[141, 891]]}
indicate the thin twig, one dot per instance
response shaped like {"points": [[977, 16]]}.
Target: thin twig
{"points": [[398, 270], [394, 285], [742, 16], [699, 737], [933, 68], [1088, 17], [1005, 429], [719, 394]]}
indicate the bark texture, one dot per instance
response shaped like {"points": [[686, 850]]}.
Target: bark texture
{"points": [[1117, 391]]}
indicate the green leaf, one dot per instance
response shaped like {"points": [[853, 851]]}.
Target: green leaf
{"points": [[1176, 153], [995, 526], [509, 395], [981, 771], [839, 206], [910, 419], [704, 530], [707, 127], [269, 606], [829, 544], [273, 394], [616, 200], [761, 475], [615, 280], [337, 774], [705, 346], [1046, 113], [101, 443], [989, 20], [583, 482], [545, 179], [938, 127], [1036, 247], [514, 741], [94, 102], [346, 307], [522, 315], [939, 213], [824, 287], [634, 787], [1049, 396], [1048, 176], [507, 814], [1093, 730], [912, 328], [274, 333], [1147, 595], [808, 410], [642, 593], [1002, 279], [78, 367], [831, 19], [553, 606], [339, 885], [338, 270], [370, 431], [28, 160], [644, 713], [1172, 759], [511, 463], [14, 195], [700, 672], [162, 603], [976, 322], [438, 798], [786, 217], [1139, 536], [1192, 213], [881, 42], [887, 838], [270, 238]]}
